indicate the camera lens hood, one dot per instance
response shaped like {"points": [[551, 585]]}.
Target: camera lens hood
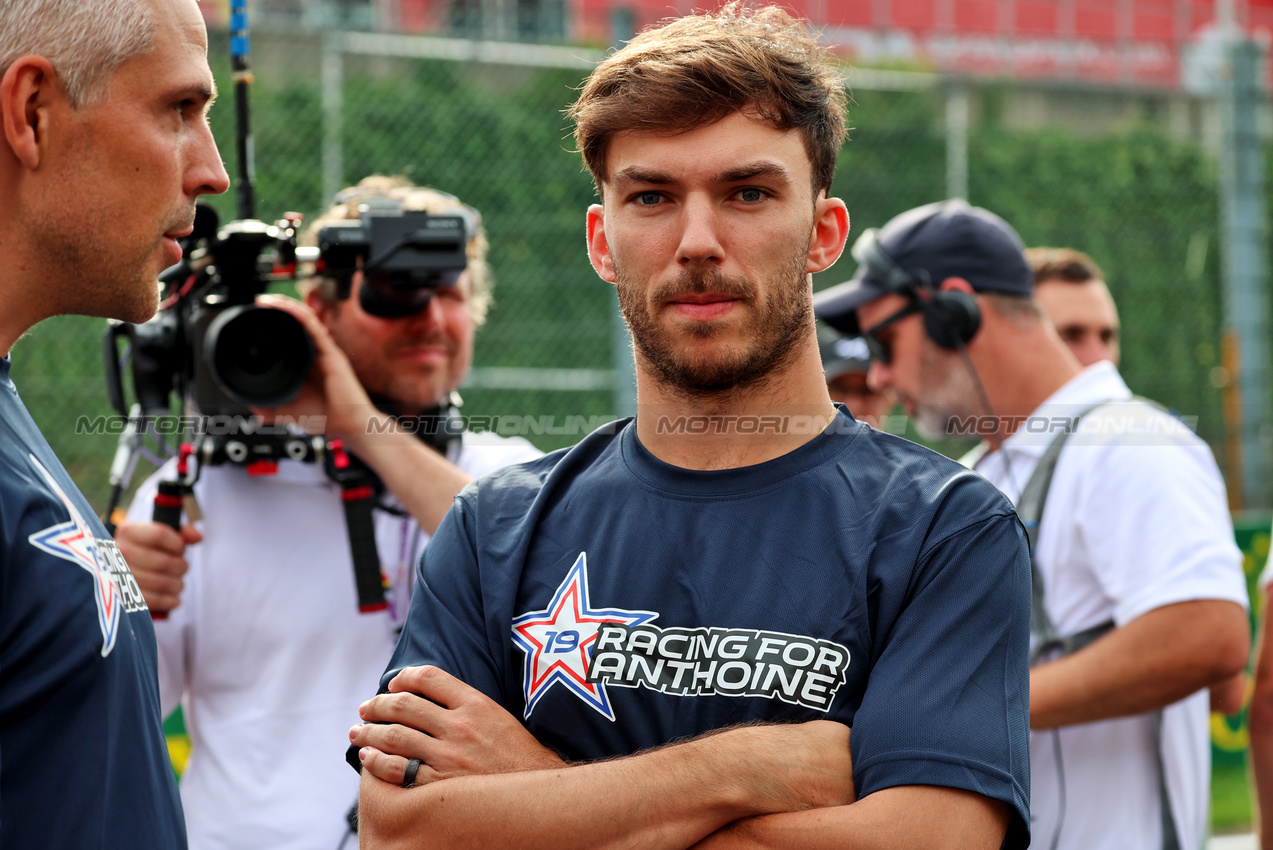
{"points": [[258, 356]]}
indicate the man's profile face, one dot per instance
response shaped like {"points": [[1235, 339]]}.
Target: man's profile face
{"points": [[932, 385], [124, 176], [414, 361], [1084, 316], [706, 235]]}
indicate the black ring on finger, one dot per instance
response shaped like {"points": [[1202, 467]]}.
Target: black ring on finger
{"points": [[408, 778]]}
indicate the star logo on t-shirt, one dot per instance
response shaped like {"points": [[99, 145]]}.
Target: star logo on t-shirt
{"points": [[558, 641], [73, 541]]}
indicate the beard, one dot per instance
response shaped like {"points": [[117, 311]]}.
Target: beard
{"points": [[770, 337], [947, 392], [95, 277]]}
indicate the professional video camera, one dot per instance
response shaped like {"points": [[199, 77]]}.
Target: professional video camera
{"points": [[209, 342]]}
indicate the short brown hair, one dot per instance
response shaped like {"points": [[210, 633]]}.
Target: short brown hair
{"points": [[412, 197], [697, 70], [1062, 264]]}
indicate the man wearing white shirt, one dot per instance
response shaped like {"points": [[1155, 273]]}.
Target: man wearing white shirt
{"points": [[1138, 581], [265, 645]]}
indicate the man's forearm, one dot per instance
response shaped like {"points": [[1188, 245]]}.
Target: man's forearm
{"points": [[1153, 661], [922, 817], [666, 798]]}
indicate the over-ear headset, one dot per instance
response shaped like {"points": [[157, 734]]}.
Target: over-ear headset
{"points": [[951, 318]]}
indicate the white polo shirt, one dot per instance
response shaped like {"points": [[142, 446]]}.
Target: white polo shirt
{"points": [[1136, 518]]}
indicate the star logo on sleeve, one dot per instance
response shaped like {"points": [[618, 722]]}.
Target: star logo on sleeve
{"points": [[73, 541], [558, 641]]}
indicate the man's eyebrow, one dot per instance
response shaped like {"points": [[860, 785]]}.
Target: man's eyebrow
{"points": [[637, 174], [752, 170]]}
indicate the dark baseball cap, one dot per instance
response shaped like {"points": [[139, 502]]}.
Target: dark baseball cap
{"points": [[932, 243]]}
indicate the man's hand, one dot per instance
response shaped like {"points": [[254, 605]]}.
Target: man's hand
{"points": [[1229, 697], [424, 481], [155, 553], [452, 728], [667, 798]]}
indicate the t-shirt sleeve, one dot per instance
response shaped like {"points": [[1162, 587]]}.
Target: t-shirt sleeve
{"points": [[1156, 529], [445, 625], [948, 699]]}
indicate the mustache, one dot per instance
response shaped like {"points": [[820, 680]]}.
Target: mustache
{"points": [[440, 340], [701, 282]]}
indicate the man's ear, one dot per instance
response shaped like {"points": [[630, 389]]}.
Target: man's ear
{"points": [[830, 232], [598, 248], [25, 93]]}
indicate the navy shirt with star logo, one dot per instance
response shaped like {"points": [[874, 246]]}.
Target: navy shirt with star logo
{"points": [[83, 761], [614, 602]]}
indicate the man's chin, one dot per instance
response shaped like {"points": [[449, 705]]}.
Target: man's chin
{"points": [[933, 424], [140, 309]]}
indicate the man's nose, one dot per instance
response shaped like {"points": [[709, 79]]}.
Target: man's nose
{"points": [[879, 377], [206, 174], [431, 315], [700, 233]]}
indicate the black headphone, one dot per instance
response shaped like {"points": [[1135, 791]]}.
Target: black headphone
{"points": [[951, 318]]}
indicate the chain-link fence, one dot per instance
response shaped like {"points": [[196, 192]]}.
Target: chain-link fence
{"points": [[485, 122]]}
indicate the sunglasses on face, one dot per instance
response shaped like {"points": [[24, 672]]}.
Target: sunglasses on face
{"points": [[882, 350]]}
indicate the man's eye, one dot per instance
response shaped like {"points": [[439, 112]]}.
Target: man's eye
{"points": [[649, 199], [751, 196]]}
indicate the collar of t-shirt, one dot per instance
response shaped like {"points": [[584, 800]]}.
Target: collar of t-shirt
{"points": [[822, 449], [1010, 466], [1098, 382]]}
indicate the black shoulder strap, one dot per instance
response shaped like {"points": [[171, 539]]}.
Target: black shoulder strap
{"points": [[1030, 507]]}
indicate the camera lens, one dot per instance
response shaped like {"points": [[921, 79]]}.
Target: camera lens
{"points": [[259, 356]]}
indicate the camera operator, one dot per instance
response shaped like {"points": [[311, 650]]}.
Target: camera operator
{"points": [[104, 146], [265, 645]]}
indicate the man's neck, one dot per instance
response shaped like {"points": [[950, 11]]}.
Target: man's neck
{"points": [[22, 292], [1017, 385], [741, 427]]}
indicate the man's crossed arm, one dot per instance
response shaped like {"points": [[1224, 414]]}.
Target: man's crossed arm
{"points": [[484, 781]]}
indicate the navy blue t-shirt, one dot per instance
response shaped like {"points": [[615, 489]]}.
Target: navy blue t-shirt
{"points": [[615, 602], [83, 762]]}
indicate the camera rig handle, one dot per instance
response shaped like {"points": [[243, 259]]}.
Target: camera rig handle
{"points": [[170, 500], [358, 495]]}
